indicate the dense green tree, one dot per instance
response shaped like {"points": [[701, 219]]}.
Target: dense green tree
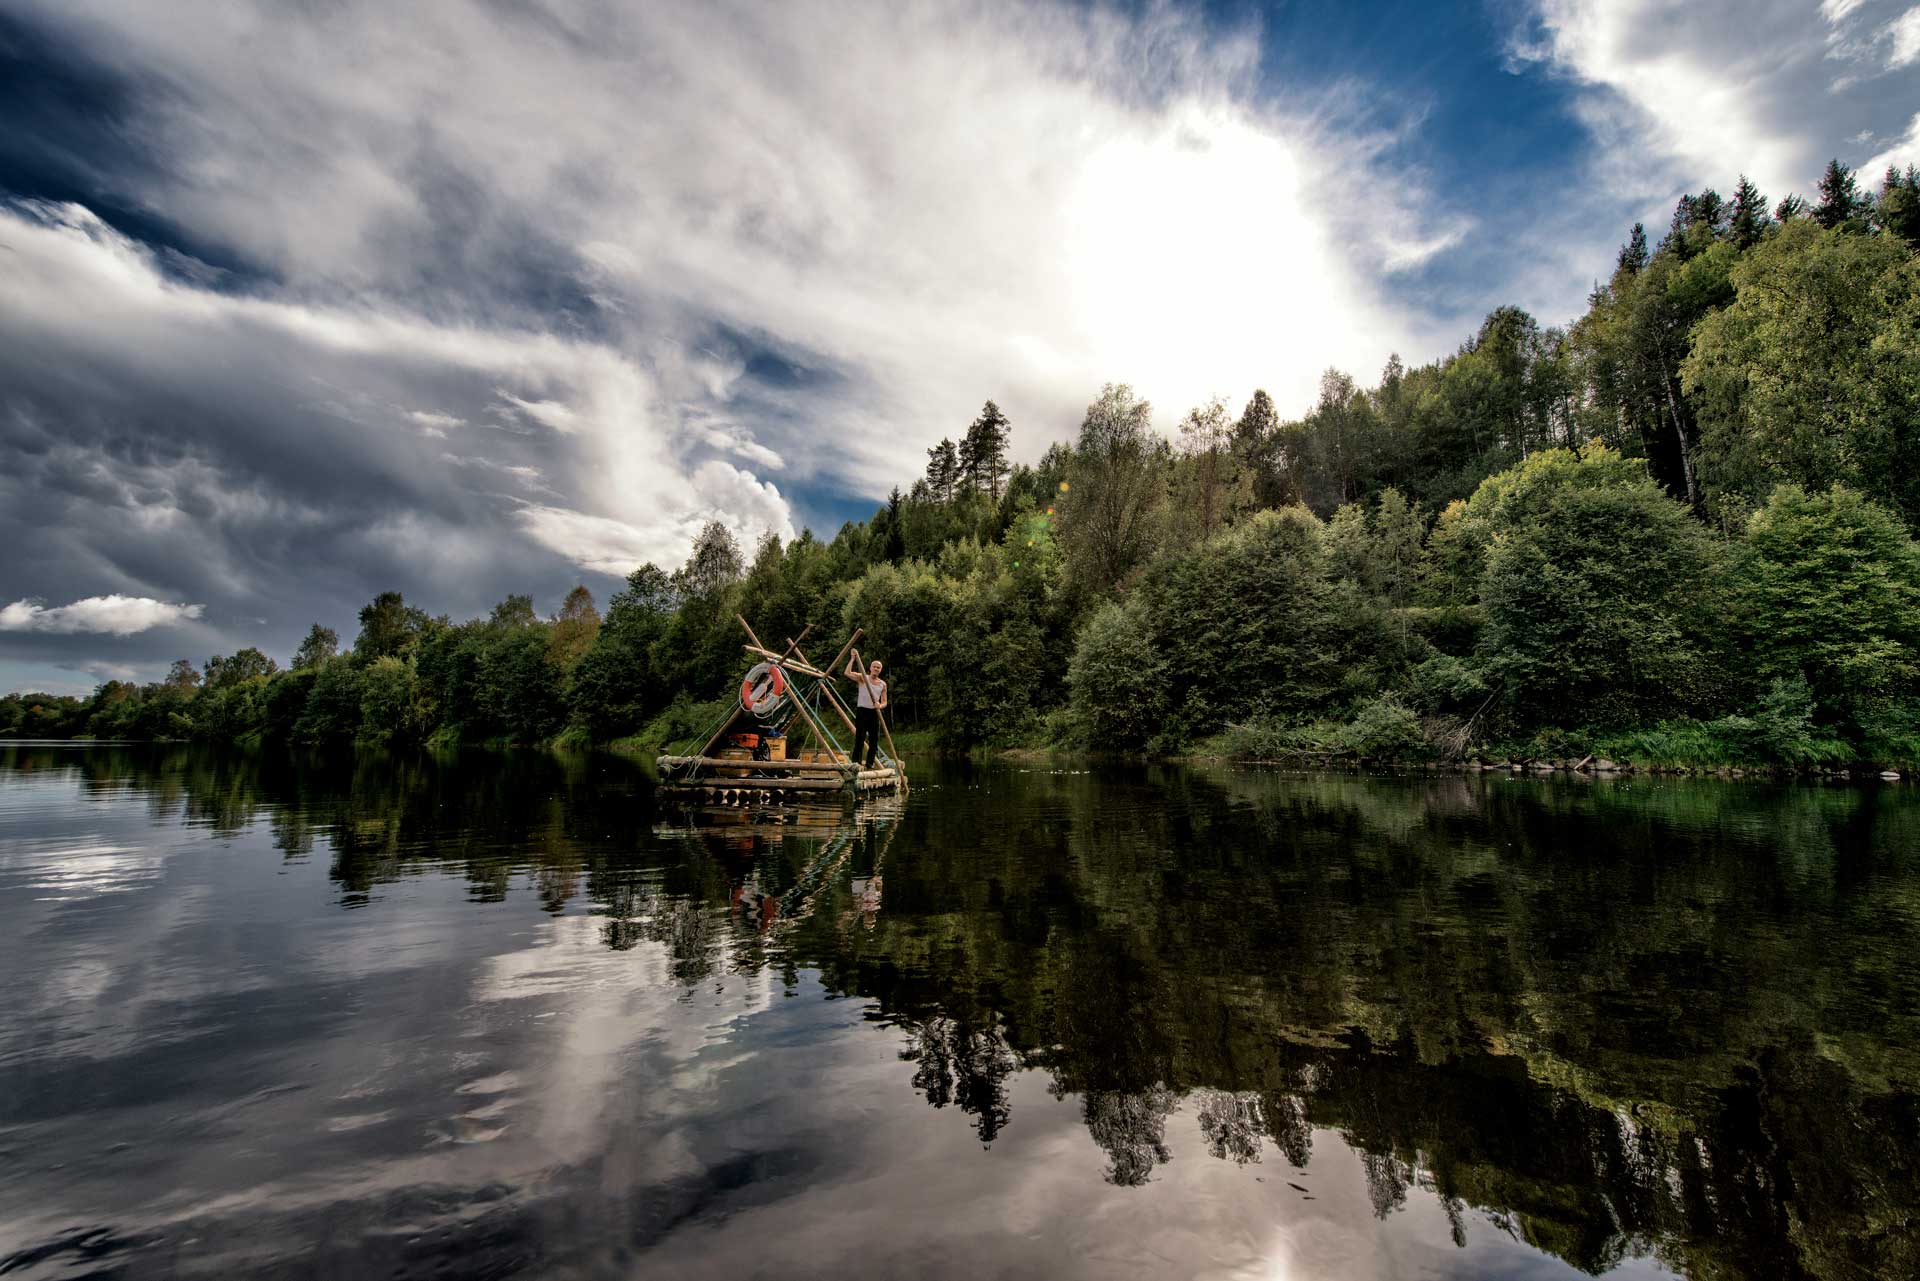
{"points": [[943, 471], [392, 708], [1258, 447], [1209, 485], [1233, 628], [286, 702], [245, 665], [321, 646], [1633, 255], [1827, 587], [1812, 374], [1633, 344], [1599, 593], [1117, 677], [1747, 220], [1332, 451], [617, 684], [1897, 212], [388, 627], [573, 630], [983, 451], [332, 710], [1840, 200], [1118, 481]]}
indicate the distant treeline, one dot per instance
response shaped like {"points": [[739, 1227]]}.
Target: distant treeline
{"points": [[1680, 528]]}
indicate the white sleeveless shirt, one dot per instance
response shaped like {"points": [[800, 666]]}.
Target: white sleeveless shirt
{"points": [[871, 689]]}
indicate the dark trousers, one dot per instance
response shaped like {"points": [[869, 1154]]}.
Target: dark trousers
{"points": [[866, 733]]}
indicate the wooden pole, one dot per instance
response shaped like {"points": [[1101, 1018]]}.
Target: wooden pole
{"points": [[803, 666], [750, 635], [813, 723], [845, 649], [900, 766], [794, 644], [833, 695]]}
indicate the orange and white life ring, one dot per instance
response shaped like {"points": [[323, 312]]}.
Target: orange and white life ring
{"points": [[764, 690]]}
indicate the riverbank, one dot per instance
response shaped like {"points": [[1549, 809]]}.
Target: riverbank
{"points": [[1731, 748]]}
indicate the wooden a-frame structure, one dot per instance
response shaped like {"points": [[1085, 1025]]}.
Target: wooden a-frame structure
{"points": [[817, 763]]}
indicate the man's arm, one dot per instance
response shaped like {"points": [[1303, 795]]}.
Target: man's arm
{"points": [[853, 668], [886, 693]]}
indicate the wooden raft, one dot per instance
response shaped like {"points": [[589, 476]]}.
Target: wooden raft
{"points": [[704, 773], [734, 778]]}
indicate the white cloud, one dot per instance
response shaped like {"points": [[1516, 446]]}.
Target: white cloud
{"points": [[98, 615], [78, 291], [1696, 77], [926, 205], [1901, 154], [1690, 93], [1903, 35], [434, 425]]}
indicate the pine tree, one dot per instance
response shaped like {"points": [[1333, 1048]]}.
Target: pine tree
{"points": [[1898, 210], [1698, 221], [894, 545], [1749, 217], [1789, 208], [983, 451], [1839, 196], [943, 469], [1708, 213], [1633, 254]]}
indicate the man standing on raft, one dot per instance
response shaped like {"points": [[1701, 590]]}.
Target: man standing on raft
{"points": [[866, 713]]}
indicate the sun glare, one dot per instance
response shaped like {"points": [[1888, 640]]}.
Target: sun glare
{"points": [[1193, 258]]}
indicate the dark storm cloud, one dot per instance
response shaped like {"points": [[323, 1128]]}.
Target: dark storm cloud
{"points": [[266, 461]]}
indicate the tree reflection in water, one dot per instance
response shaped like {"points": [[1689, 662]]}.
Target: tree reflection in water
{"points": [[1618, 1019]]}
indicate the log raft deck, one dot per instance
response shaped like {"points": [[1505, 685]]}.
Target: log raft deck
{"points": [[818, 764]]}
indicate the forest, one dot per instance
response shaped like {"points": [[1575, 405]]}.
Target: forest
{"points": [[1678, 530]]}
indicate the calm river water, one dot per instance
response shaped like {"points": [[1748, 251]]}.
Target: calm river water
{"points": [[501, 1015]]}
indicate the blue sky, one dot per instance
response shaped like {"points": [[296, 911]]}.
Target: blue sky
{"points": [[300, 303]]}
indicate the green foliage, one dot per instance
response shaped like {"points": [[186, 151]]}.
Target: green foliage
{"points": [[388, 626], [1246, 625], [982, 456], [321, 646], [1382, 730], [1445, 683], [1599, 592], [1117, 679], [1385, 729], [392, 709], [1115, 488], [1897, 212], [332, 711], [1812, 374], [1780, 729], [1827, 588]]}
